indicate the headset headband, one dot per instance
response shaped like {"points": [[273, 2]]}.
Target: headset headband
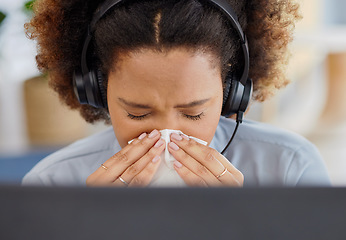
{"points": [[222, 5]]}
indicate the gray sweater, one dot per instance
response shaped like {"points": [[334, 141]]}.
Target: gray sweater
{"points": [[266, 155]]}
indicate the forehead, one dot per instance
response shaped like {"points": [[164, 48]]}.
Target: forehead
{"points": [[164, 79], [179, 65]]}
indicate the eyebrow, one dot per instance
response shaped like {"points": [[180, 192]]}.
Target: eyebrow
{"points": [[192, 104], [144, 106], [134, 105]]}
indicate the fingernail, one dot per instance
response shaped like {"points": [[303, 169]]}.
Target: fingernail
{"points": [[153, 134], [142, 136], [156, 159], [173, 146], [185, 137], [158, 143], [178, 164], [176, 137]]}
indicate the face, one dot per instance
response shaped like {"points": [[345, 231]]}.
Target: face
{"points": [[178, 90]]}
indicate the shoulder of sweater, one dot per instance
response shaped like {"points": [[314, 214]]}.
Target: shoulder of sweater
{"points": [[85, 148], [257, 132]]}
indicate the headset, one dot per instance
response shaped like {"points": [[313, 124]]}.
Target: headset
{"points": [[88, 82]]}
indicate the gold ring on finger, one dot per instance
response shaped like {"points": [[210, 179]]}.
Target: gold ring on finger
{"points": [[224, 171], [123, 181], [103, 166]]}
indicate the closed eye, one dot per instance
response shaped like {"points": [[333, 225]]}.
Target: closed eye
{"points": [[141, 117], [195, 117], [137, 117]]}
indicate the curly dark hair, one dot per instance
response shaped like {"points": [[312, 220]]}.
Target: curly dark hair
{"points": [[59, 27]]}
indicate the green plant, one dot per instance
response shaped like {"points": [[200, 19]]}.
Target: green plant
{"points": [[28, 6], [2, 17]]}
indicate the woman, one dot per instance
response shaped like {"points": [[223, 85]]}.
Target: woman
{"points": [[153, 65]]}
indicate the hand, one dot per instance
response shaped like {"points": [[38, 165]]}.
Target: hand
{"points": [[200, 165], [134, 165]]}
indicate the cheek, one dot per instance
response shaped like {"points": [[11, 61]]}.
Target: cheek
{"points": [[209, 131], [205, 129]]}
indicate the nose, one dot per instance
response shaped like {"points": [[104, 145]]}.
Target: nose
{"points": [[167, 122]]}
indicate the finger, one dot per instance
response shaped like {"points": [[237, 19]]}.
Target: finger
{"points": [[211, 179], [229, 179], [138, 166], [194, 166], [117, 164], [211, 159], [189, 177], [146, 175], [207, 156]]}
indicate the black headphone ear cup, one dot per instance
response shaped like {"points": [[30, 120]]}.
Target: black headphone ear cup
{"points": [[92, 89], [89, 88], [238, 98], [103, 90], [79, 87], [248, 89], [228, 97]]}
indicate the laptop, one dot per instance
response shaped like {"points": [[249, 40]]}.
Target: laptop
{"points": [[185, 213]]}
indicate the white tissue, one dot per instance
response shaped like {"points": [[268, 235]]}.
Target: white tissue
{"points": [[166, 176]]}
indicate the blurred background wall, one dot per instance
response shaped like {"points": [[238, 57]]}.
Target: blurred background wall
{"points": [[313, 105], [33, 123]]}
